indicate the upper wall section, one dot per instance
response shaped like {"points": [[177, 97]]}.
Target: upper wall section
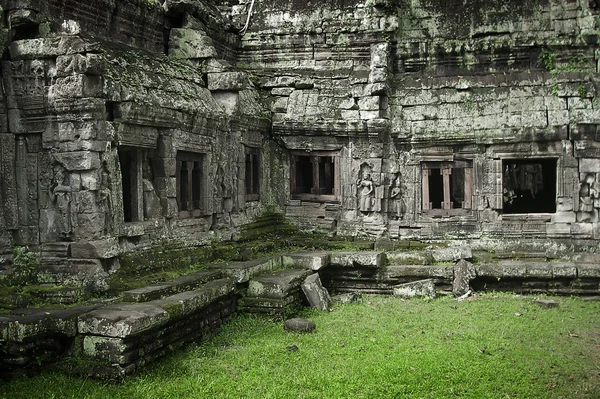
{"points": [[483, 36], [136, 23]]}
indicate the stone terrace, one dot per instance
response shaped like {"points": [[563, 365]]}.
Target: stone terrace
{"points": [[117, 337]]}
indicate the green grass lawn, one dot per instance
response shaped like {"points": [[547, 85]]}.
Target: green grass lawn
{"points": [[491, 346]]}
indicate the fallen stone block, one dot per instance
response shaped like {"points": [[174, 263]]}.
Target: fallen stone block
{"points": [[421, 288], [278, 284], [464, 272], [318, 297]]}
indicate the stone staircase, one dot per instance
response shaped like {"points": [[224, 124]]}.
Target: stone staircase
{"points": [[121, 337]]}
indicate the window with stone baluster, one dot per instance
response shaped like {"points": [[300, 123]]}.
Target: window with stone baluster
{"points": [[446, 188]]}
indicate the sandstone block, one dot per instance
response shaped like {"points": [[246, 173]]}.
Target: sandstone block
{"points": [[282, 91], [379, 55], [370, 103], [190, 43], [276, 285], [346, 298], [280, 105], [228, 81], [243, 272], [98, 249], [564, 217], [318, 297], [369, 259], [589, 165], [421, 288], [464, 272], [313, 261], [121, 321]]}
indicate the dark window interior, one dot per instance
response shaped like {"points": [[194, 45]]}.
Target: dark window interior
{"points": [[252, 173], [128, 162], [189, 181], [304, 175], [313, 176], [436, 188], [326, 173], [529, 185]]}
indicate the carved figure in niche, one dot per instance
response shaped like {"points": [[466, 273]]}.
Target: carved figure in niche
{"points": [[61, 193], [366, 189], [152, 206], [105, 196], [587, 193], [397, 205]]}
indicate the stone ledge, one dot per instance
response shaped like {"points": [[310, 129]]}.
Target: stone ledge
{"points": [[277, 285], [186, 303], [394, 271], [350, 259], [122, 320], [243, 272], [184, 283], [38, 322], [307, 260]]}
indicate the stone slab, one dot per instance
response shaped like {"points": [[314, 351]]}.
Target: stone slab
{"points": [[122, 320], [278, 284], [317, 295], [350, 259], [243, 272], [313, 260], [421, 288], [188, 302]]}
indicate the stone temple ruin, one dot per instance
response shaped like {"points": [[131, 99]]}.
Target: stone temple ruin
{"points": [[132, 122]]}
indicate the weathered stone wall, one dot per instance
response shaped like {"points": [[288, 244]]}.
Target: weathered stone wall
{"points": [[101, 99], [393, 85], [357, 118]]}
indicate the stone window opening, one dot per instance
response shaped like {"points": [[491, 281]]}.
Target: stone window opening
{"points": [[314, 176], [447, 188], [190, 180], [252, 174], [130, 161], [529, 185]]}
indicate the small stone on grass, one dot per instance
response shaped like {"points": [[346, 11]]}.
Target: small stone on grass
{"points": [[547, 303], [299, 325]]}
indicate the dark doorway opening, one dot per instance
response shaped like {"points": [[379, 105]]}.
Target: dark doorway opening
{"points": [[529, 185]]}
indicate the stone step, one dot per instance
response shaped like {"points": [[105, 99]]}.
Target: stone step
{"points": [[244, 271], [55, 249], [130, 319], [184, 283], [76, 272], [277, 285]]}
